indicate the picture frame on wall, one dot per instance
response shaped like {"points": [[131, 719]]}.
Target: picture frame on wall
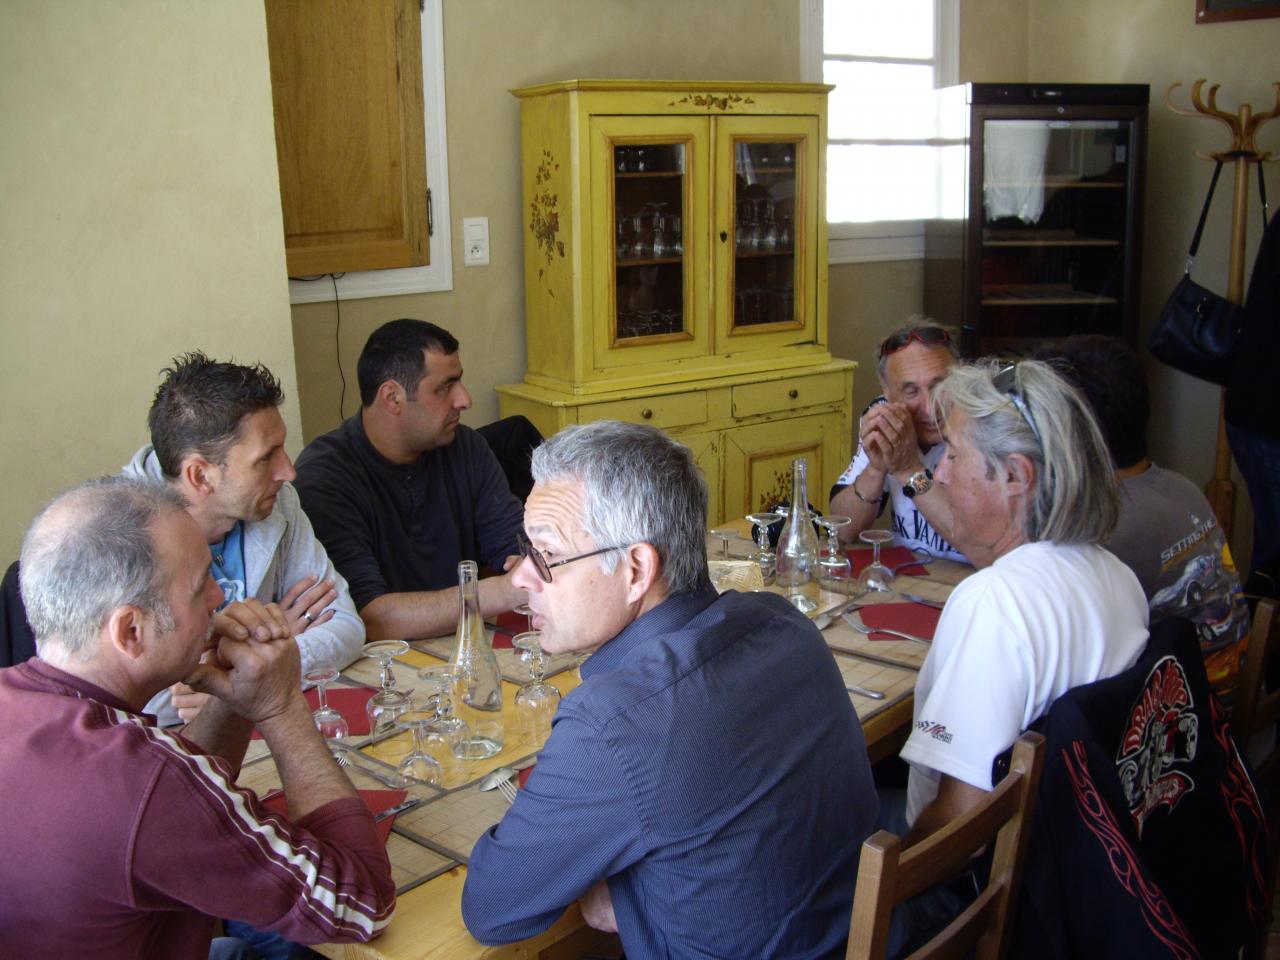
{"points": [[1221, 11]]}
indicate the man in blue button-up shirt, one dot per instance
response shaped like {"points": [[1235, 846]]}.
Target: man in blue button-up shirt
{"points": [[706, 789]]}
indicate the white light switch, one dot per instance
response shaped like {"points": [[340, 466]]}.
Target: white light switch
{"points": [[475, 241]]}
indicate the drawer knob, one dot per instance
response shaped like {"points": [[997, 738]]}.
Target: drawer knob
{"points": [[646, 414], [793, 393]]}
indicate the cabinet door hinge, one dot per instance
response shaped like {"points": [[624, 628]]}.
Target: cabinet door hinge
{"points": [[431, 220]]}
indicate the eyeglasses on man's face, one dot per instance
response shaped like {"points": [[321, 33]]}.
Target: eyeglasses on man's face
{"points": [[540, 564], [929, 336]]}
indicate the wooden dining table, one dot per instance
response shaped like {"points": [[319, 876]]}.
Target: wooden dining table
{"points": [[429, 863]]}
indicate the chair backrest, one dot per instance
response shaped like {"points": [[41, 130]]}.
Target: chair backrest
{"points": [[1256, 709], [887, 876], [17, 643]]}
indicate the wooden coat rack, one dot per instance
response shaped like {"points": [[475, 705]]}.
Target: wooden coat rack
{"points": [[1244, 125]]}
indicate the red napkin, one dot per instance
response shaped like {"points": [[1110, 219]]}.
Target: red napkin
{"points": [[890, 557], [507, 626], [375, 800], [913, 618], [348, 701]]}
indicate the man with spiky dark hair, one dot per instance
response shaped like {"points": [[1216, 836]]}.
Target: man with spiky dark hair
{"points": [[217, 438]]}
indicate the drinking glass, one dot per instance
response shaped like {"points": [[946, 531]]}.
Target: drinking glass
{"points": [[537, 700], [765, 556], [388, 703], [875, 575], [724, 535], [331, 724], [526, 642], [660, 247], [835, 572], [419, 765], [438, 685]]}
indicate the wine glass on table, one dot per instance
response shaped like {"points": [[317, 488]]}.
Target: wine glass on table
{"points": [[537, 700], [419, 765], [876, 576], [764, 551], [331, 724], [439, 683], [835, 572], [388, 703]]}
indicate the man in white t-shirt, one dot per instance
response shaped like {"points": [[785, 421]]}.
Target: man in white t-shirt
{"points": [[899, 445], [1032, 494]]}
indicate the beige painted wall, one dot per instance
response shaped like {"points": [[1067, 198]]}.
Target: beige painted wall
{"points": [[492, 46], [1158, 42], [141, 219]]}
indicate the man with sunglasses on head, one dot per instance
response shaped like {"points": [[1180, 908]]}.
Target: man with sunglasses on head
{"points": [[706, 789], [899, 446]]}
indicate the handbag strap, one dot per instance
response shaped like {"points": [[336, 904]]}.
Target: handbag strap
{"points": [[1204, 211]]}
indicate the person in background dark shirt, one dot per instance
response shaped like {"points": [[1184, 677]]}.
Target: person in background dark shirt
{"points": [[401, 492]]}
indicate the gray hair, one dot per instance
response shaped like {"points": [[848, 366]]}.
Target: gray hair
{"points": [[915, 323], [1075, 499], [641, 487], [88, 552]]}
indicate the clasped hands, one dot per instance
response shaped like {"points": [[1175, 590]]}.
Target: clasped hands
{"points": [[887, 433], [241, 627]]}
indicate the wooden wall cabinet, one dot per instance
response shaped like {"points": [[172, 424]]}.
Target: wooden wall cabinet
{"points": [[1048, 239], [675, 274], [346, 86]]}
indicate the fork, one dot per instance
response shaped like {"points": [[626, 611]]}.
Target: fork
{"points": [[342, 754], [863, 628], [508, 790]]}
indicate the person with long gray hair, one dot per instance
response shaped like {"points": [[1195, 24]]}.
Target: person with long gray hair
{"points": [[1033, 498], [144, 830], [666, 800]]}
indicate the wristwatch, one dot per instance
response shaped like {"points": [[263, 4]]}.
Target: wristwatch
{"points": [[918, 483]]}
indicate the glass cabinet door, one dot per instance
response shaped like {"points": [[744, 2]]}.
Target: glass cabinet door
{"points": [[648, 227], [1055, 216], [767, 178]]}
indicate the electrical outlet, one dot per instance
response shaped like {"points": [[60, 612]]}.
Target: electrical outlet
{"points": [[475, 241]]}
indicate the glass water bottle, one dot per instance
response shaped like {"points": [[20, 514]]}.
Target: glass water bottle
{"points": [[477, 682], [798, 545]]}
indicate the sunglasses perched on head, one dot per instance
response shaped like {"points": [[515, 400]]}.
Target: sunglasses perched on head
{"points": [[929, 336], [1006, 381]]}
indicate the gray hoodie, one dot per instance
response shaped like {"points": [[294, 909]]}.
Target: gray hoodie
{"points": [[278, 552]]}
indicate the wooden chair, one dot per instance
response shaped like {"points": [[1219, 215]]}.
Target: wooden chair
{"points": [[1256, 711], [887, 876]]}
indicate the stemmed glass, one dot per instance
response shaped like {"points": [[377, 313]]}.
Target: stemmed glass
{"points": [[764, 554], [331, 724], [724, 535], [537, 700], [526, 643], [388, 703], [875, 575], [439, 683], [835, 572], [419, 765]]}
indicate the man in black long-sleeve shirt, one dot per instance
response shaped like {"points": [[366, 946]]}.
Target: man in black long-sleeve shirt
{"points": [[401, 492]]}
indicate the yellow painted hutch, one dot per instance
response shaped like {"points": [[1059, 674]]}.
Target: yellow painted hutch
{"points": [[676, 275]]}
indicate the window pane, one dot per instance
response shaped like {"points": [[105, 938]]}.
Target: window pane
{"points": [[878, 28], [894, 183], [880, 101]]}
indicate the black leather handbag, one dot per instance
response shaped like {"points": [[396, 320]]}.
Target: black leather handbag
{"points": [[1198, 329]]}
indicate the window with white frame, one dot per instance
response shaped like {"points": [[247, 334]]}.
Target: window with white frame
{"points": [[438, 275], [886, 161]]}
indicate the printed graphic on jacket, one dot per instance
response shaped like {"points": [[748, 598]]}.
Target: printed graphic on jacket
{"points": [[1159, 743]]}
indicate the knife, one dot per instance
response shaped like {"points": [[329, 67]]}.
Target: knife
{"points": [[400, 807], [863, 691], [916, 598]]}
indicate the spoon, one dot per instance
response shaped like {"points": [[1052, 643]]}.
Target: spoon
{"points": [[491, 779]]}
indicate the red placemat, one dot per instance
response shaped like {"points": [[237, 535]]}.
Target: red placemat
{"points": [[913, 618], [348, 701], [890, 557], [375, 800], [524, 774], [507, 626]]}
